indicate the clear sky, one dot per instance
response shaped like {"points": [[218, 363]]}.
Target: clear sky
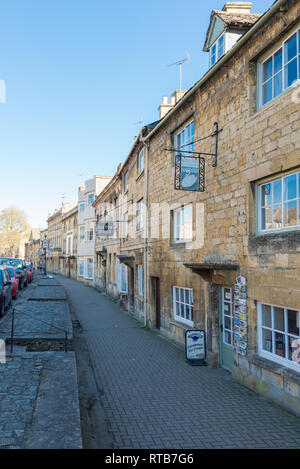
{"points": [[79, 75]]}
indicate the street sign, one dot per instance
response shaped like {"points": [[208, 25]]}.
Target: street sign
{"points": [[45, 243], [195, 347]]}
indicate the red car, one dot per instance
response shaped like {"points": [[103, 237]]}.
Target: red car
{"points": [[13, 278], [30, 271]]}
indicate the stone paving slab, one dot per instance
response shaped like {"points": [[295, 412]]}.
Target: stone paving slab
{"points": [[47, 293], [48, 282], [39, 401], [55, 313]]}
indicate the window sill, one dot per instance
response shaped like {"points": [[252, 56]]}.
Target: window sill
{"points": [[183, 325], [180, 244], [279, 236], [275, 367], [139, 176]]}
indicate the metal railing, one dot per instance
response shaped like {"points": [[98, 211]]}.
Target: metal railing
{"points": [[36, 319]]}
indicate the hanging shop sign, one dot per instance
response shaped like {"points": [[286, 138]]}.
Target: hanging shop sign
{"points": [[189, 173], [105, 228], [240, 316], [195, 347]]}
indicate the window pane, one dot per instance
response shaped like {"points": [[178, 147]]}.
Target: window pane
{"points": [[227, 322], [279, 344], [227, 337], [221, 46], [290, 73], [294, 349], [177, 294], [290, 214], [267, 92], [277, 84], [278, 319], [277, 216], [278, 61], [290, 187], [266, 315], [293, 322], [290, 48], [267, 69], [187, 296], [267, 340], [277, 192], [266, 218]]}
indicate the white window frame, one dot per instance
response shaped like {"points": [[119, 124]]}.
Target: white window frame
{"points": [[140, 215], [88, 198], [81, 207], [271, 355], [81, 234], [140, 161], [125, 225], [216, 44], [189, 305], [140, 280], [122, 278], [184, 138], [180, 226], [272, 54], [69, 246], [81, 268], [88, 233], [282, 202]]}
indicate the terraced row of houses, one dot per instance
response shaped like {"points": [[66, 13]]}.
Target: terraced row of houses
{"points": [[199, 226]]}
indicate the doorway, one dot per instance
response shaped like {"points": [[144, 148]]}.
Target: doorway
{"points": [[155, 281], [226, 328]]}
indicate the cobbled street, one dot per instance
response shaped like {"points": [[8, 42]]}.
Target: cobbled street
{"points": [[153, 399]]}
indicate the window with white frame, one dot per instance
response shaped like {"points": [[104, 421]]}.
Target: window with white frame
{"points": [[140, 215], [217, 50], [126, 182], [81, 207], [140, 161], [90, 234], [70, 244], [81, 268], [280, 70], [90, 198], [122, 278], [279, 203], [183, 224], [184, 140], [81, 234], [183, 305], [279, 334], [140, 280], [90, 268]]}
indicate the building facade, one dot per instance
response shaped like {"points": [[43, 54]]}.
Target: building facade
{"points": [[68, 259], [55, 235], [86, 227]]}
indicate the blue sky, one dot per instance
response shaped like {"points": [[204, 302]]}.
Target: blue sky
{"points": [[79, 74]]}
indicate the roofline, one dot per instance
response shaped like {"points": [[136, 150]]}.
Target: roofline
{"points": [[264, 18]]}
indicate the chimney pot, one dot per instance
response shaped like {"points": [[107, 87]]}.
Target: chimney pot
{"points": [[238, 7]]}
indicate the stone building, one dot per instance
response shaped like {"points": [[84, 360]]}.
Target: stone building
{"points": [[54, 234], [32, 247], [214, 214], [68, 258], [224, 254], [86, 226]]}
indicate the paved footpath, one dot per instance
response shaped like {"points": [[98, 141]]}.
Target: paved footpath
{"points": [[153, 399]]}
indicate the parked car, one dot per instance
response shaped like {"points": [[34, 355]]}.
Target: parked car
{"points": [[6, 290], [30, 271], [20, 267], [13, 278]]}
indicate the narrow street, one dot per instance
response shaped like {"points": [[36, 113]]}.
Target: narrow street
{"points": [[151, 398]]}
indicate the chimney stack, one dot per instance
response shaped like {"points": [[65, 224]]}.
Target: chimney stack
{"points": [[238, 7], [165, 107]]}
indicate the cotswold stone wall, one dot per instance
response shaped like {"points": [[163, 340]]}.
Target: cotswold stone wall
{"points": [[253, 145]]}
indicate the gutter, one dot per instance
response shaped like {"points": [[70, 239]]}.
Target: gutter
{"points": [[220, 63]]}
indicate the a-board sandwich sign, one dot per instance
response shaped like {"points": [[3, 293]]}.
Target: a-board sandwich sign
{"points": [[195, 347]]}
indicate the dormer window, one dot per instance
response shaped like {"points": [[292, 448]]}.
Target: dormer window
{"points": [[217, 50]]}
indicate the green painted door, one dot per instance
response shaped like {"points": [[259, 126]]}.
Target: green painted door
{"points": [[226, 328]]}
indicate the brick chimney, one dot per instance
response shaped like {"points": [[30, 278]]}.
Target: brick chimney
{"points": [[237, 7]]}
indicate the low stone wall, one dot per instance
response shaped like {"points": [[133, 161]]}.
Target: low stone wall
{"points": [[276, 382]]}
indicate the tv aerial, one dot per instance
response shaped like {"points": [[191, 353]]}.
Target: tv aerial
{"points": [[187, 59]]}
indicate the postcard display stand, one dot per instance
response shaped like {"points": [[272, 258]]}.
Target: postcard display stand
{"points": [[240, 316]]}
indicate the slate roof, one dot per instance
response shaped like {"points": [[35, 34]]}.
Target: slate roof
{"points": [[236, 20]]}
